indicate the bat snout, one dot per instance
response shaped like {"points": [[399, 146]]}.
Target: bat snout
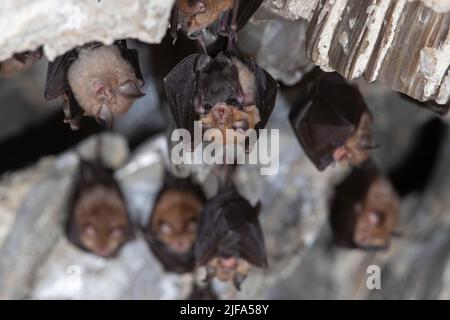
{"points": [[221, 113]]}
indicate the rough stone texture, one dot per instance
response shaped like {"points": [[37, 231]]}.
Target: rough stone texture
{"points": [[62, 25], [405, 45], [265, 41]]}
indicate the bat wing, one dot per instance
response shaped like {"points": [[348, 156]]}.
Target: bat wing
{"points": [[245, 11], [252, 245], [212, 229], [132, 56], [180, 86], [56, 83], [266, 95]]}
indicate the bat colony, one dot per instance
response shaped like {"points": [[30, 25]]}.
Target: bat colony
{"points": [[223, 89]]}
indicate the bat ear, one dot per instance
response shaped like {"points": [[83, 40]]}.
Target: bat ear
{"points": [[258, 208], [130, 90]]}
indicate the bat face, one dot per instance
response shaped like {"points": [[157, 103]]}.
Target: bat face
{"points": [[104, 90], [377, 217], [230, 238], [356, 149], [229, 269], [101, 217], [98, 219], [20, 62], [172, 229], [199, 14], [174, 220], [226, 92], [364, 211], [331, 121]]}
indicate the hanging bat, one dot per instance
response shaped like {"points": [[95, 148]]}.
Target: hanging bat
{"points": [[20, 62], [98, 220], [225, 92], [212, 22], [202, 293], [441, 109], [332, 121], [172, 229], [95, 80], [364, 211], [230, 238]]}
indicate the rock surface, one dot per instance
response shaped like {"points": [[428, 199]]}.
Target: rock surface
{"points": [[62, 25]]}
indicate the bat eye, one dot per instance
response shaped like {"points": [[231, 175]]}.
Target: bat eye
{"points": [[207, 106], [234, 102], [89, 230], [118, 232], [192, 225], [165, 228]]}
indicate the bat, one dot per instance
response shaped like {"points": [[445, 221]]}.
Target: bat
{"points": [[364, 211], [20, 62], [98, 219], [172, 229], [230, 237], [202, 293], [212, 22], [441, 109], [229, 91], [95, 80], [331, 121]]}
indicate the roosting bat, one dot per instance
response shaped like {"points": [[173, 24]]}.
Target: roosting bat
{"points": [[172, 229], [331, 121], [225, 92], [212, 21], [230, 238], [98, 219], [95, 80], [364, 210], [20, 62]]}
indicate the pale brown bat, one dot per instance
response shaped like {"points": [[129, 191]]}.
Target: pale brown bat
{"points": [[98, 219], [172, 229], [95, 80]]}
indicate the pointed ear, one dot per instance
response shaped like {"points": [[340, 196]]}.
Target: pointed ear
{"points": [[130, 90], [258, 208]]}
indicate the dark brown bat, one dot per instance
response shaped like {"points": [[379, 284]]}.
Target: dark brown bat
{"points": [[226, 92], [441, 109], [98, 219], [95, 80], [332, 121], [212, 22], [172, 229], [364, 211], [20, 62], [230, 237]]}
